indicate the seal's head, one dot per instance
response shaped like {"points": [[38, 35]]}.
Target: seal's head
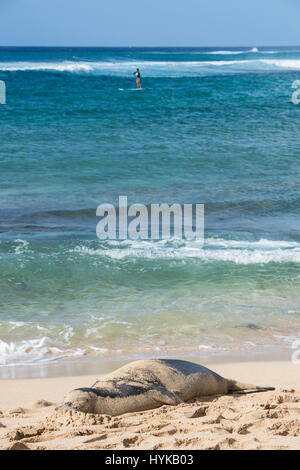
{"points": [[81, 399]]}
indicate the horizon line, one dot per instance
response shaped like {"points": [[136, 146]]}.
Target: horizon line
{"points": [[148, 47]]}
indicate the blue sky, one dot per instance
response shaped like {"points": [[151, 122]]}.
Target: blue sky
{"points": [[149, 22]]}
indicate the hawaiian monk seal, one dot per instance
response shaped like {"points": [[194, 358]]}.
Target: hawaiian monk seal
{"points": [[147, 384]]}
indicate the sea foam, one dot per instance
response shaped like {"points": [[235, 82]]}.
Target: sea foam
{"points": [[220, 250]]}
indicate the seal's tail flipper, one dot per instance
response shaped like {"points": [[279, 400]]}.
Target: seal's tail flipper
{"points": [[241, 388]]}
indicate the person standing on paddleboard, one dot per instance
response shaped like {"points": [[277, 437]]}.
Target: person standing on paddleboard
{"points": [[138, 78]]}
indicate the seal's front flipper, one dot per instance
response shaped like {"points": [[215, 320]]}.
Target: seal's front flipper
{"points": [[166, 398]]}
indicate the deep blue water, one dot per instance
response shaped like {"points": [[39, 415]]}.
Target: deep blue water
{"points": [[210, 126]]}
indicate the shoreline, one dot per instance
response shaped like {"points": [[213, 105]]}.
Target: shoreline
{"points": [[91, 365]]}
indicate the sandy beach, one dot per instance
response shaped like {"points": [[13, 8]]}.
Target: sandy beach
{"points": [[271, 420]]}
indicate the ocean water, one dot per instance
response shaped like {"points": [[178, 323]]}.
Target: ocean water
{"points": [[212, 126]]}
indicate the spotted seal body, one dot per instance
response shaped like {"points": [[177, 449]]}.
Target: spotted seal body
{"points": [[147, 384]]}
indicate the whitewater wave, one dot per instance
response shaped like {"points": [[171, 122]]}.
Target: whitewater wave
{"points": [[151, 68], [226, 52], [283, 63], [214, 250], [22, 247], [45, 66], [255, 50], [27, 351], [245, 252], [40, 351]]}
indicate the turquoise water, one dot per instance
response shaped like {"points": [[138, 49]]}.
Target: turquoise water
{"points": [[211, 126]]}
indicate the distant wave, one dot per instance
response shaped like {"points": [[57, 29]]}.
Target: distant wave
{"points": [[221, 52], [45, 66], [284, 63], [201, 52], [150, 68], [225, 52]]}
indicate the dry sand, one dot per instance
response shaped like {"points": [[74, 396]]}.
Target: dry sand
{"points": [[271, 420]]}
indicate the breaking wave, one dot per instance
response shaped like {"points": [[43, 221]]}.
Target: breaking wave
{"points": [[152, 68], [214, 250], [225, 52]]}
